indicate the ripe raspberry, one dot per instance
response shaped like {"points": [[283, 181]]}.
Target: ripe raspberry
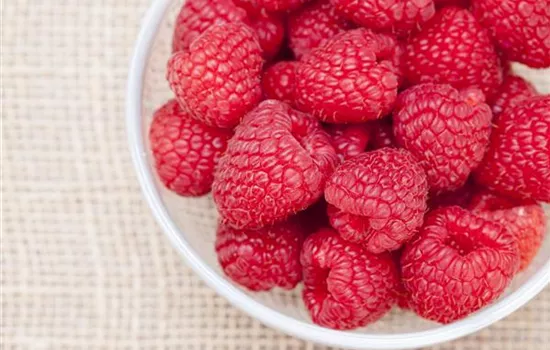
{"points": [[378, 198], [513, 90], [349, 79], [458, 263], [345, 287], [348, 140], [522, 218], [397, 16], [270, 30], [460, 197], [264, 258], [313, 25], [218, 80], [251, 6], [198, 15], [280, 5], [517, 163], [446, 129], [315, 217], [275, 165], [402, 296], [382, 134], [520, 29], [185, 150], [453, 48], [443, 3], [279, 80]]}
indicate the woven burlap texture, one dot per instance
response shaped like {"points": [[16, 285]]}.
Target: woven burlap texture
{"points": [[84, 265]]}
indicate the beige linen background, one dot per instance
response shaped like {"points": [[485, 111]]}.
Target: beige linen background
{"points": [[84, 266]]}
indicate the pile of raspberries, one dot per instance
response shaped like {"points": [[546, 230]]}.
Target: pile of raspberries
{"points": [[380, 152]]}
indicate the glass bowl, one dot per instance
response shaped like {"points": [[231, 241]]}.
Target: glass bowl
{"points": [[190, 223]]}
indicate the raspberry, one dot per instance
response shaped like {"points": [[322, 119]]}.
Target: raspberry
{"points": [[348, 79], [219, 78], [522, 218], [270, 30], [382, 134], [402, 295], [280, 5], [460, 197], [397, 16], [198, 15], [315, 217], [313, 25], [349, 140], [457, 264], [262, 259], [446, 129], [443, 3], [520, 29], [517, 163], [513, 90], [345, 287], [453, 48], [378, 199], [185, 150], [275, 165], [279, 80]]}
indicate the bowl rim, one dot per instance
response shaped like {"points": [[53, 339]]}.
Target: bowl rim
{"points": [[237, 297]]}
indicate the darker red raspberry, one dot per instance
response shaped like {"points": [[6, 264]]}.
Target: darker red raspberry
{"points": [[262, 259], [185, 150], [453, 48], [517, 163], [513, 90], [279, 80], [349, 79], [345, 287], [219, 78], [280, 5], [313, 25], [378, 198], [196, 16], [275, 165], [349, 140], [382, 134], [270, 30], [315, 217], [522, 218], [460, 197], [443, 3], [402, 296], [396, 16], [446, 129], [520, 29], [457, 264]]}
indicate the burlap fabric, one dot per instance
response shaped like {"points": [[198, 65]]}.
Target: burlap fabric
{"points": [[84, 266]]}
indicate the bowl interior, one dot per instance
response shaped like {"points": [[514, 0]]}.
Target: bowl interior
{"points": [[196, 218]]}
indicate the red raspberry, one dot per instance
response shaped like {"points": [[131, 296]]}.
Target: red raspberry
{"points": [[251, 6], [458, 263], [185, 150], [349, 140], [279, 80], [402, 296], [397, 16], [378, 198], [520, 29], [219, 78], [196, 16], [275, 165], [345, 287], [271, 32], [349, 79], [522, 218], [446, 129], [313, 25], [280, 5], [453, 48], [513, 90], [382, 134], [517, 163], [315, 217], [264, 258]]}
